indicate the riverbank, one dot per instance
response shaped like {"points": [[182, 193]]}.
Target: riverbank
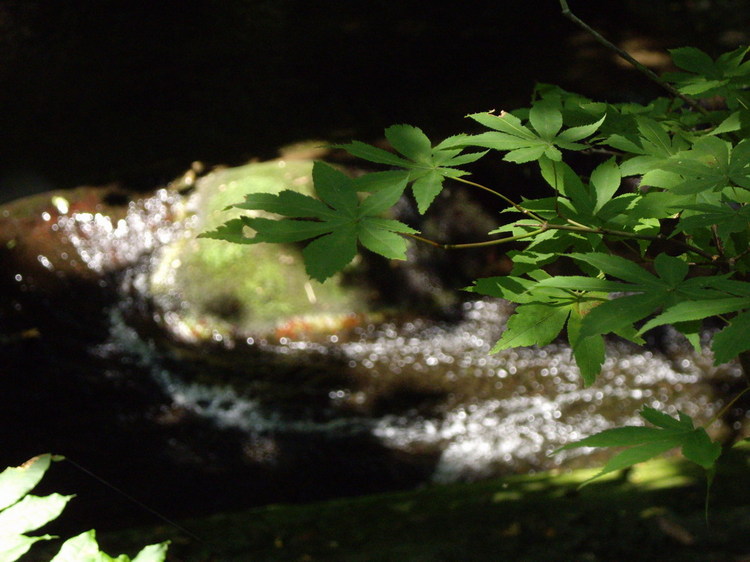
{"points": [[655, 513]]}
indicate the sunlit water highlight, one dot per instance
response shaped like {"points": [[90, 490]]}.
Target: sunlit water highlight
{"points": [[489, 414]]}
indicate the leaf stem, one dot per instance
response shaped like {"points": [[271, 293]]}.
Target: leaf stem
{"points": [[476, 244], [515, 205], [650, 74], [577, 227], [725, 409]]}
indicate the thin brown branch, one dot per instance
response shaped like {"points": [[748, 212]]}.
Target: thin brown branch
{"points": [[650, 74]]}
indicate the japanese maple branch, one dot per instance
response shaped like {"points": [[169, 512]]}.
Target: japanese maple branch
{"points": [[726, 408], [650, 74], [515, 205], [476, 244], [578, 227]]}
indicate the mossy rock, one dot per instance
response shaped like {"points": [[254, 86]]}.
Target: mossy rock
{"points": [[215, 286]]}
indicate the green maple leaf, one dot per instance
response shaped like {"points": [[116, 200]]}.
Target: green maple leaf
{"points": [[727, 219], [647, 294], [543, 136], [542, 314], [425, 166], [710, 165], [648, 442], [334, 223], [651, 146], [727, 76]]}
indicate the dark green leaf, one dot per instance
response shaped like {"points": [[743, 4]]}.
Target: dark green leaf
{"points": [[621, 437], [618, 267], [410, 141], [580, 283], [390, 224], [382, 200], [732, 340], [288, 203], [698, 448], [283, 231], [514, 289], [230, 231], [589, 352], [696, 310], [373, 154], [694, 60], [619, 313], [376, 181], [665, 421], [328, 254], [672, 270], [335, 188]]}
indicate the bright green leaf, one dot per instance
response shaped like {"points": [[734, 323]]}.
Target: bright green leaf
{"points": [[635, 455], [426, 189], [382, 241], [31, 513], [546, 119], [12, 547], [581, 132], [16, 482], [532, 324], [605, 179]]}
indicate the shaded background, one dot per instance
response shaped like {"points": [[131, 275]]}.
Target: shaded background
{"points": [[97, 91], [94, 91]]}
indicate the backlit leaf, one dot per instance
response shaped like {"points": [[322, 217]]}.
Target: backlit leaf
{"points": [[532, 324]]}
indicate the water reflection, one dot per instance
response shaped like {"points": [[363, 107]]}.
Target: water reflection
{"points": [[419, 387]]}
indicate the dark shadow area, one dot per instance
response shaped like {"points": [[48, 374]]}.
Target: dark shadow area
{"points": [[93, 92]]}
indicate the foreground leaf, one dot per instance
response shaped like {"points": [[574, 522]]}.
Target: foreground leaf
{"points": [[334, 223], [16, 482], [648, 442]]}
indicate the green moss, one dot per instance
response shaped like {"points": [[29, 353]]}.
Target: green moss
{"points": [[248, 287], [653, 513]]}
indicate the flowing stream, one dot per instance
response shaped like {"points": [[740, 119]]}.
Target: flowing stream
{"points": [[424, 396]]}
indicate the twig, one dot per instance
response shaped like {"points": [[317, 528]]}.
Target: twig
{"points": [[477, 244], [578, 227], [515, 205], [650, 74]]}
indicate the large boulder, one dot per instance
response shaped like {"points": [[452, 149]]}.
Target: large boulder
{"points": [[250, 290]]}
